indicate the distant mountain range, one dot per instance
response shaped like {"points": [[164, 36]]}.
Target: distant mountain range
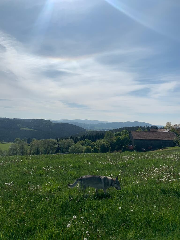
{"points": [[102, 125]]}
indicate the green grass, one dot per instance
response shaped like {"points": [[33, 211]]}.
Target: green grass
{"points": [[5, 146], [35, 202], [27, 129], [177, 148]]}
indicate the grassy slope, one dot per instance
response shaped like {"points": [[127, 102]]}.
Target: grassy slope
{"points": [[5, 146], [35, 202]]}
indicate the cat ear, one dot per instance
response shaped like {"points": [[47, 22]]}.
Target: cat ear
{"points": [[117, 178]]}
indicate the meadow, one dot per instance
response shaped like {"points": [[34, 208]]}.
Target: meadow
{"points": [[35, 202], [5, 146]]}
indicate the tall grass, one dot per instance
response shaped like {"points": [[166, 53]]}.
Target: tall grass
{"points": [[35, 202]]}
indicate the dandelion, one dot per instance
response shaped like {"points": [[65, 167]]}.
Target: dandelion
{"points": [[68, 225], [9, 184]]}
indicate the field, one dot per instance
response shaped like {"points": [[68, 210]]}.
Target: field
{"points": [[5, 146], [35, 202]]}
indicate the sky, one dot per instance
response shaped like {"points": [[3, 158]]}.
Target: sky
{"points": [[107, 60]]}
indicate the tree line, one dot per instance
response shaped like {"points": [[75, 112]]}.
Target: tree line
{"points": [[108, 142], [90, 142]]}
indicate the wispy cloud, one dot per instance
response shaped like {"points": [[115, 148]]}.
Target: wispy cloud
{"points": [[142, 13], [100, 66]]}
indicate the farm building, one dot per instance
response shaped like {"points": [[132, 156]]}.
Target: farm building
{"points": [[152, 139]]}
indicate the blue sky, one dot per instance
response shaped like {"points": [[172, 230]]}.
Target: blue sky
{"points": [[110, 60]]}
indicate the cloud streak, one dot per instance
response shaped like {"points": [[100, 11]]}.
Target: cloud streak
{"points": [[143, 12], [79, 72]]}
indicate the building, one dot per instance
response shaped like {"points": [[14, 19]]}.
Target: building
{"points": [[152, 139]]}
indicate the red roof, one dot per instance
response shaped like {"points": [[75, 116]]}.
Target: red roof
{"points": [[153, 135]]}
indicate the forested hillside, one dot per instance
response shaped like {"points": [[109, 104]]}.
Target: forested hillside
{"points": [[10, 129]]}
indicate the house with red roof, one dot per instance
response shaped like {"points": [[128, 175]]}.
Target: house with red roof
{"points": [[153, 139]]}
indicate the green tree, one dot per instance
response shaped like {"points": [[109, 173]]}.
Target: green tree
{"points": [[36, 147], [109, 136], [49, 146], [19, 147], [122, 140], [103, 146], [88, 143], [177, 132], [87, 149], [76, 148], [139, 130], [95, 147], [45, 146], [168, 125], [1, 152], [64, 145]]}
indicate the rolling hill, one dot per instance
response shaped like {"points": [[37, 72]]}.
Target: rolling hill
{"points": [[10, 129]]}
